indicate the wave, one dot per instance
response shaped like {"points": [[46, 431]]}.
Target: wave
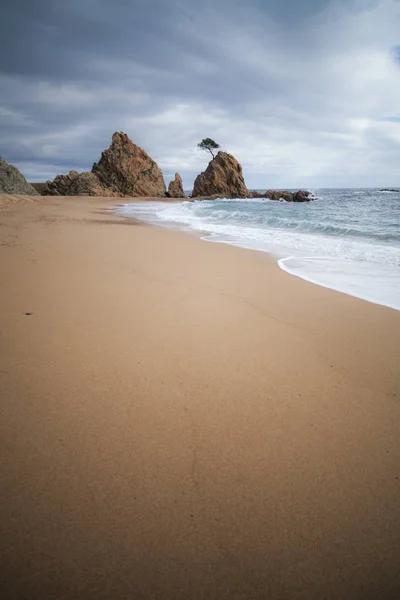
{"points": [[367, 282], [209, 214], [351, 243]]}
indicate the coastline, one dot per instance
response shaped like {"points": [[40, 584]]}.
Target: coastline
{"points": [[187, 420], [373, 280]]}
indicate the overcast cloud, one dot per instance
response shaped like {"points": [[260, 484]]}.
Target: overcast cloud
{"points": [[304, 93]]}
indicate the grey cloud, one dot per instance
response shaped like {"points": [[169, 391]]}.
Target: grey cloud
{"points": [[285, 84]]}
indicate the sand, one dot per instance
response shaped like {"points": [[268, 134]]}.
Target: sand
{"points": [[183, 420]]}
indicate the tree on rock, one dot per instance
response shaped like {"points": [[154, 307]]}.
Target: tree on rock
{"points": [[209, 145]]}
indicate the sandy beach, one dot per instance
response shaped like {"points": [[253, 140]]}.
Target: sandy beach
{"points": [[183, 420]]}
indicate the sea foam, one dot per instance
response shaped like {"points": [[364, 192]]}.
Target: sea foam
{"points": [[346, 240]]}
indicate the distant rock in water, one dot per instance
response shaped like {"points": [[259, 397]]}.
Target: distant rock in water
{"points": [[279, 195], [389, 190], [175, 188], [128, 170], [76, 184], [302, 196], [223, 177], [12, 181], [299, 196]]}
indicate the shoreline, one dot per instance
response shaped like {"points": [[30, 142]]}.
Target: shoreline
{"points": [[184, 420], [279, 256]]}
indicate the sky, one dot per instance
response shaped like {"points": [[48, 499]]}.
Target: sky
{"points": [[303, 93]]}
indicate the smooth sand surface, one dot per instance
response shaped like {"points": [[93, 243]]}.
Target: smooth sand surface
{"points": [[183, 420]]}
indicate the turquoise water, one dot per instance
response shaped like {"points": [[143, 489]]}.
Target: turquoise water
{"points": [[347, 240]]}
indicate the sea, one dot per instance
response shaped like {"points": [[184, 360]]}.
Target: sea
{"points": [[344, 239]]}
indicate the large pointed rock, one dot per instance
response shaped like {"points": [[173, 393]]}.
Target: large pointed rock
{"points": [[175, 188], [223, 177], [12, 181], [128, 170], [76, 184]]}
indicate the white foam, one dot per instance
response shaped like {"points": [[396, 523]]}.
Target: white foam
{"points": [[373, 283], [361, 267]]}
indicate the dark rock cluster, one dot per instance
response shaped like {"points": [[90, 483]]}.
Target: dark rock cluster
{"points": [[12, 181]]}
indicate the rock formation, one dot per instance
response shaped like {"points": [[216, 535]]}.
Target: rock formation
{"points": [[128, 170], [12, 181], [76, 184], [175, 188], [299, 196], [123, 170], [279, 195], [223, 177]]}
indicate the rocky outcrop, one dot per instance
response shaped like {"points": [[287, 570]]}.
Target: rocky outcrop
{"points": [[299, 196], [128, 170], [12, 181], [76, 184], [175, 188], [223, 177], [279, 195], [123, 170]]}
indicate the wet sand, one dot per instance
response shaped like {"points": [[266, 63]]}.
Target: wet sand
{"points": [[184, 420]]}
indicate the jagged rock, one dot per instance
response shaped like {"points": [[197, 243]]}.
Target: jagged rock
{"points": [[12, 181], [128, 170], [123, 170], [299, 196], [175, 188], [76, 184], [279, 195], [223, 177]]}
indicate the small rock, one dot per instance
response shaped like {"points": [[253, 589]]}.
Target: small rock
{"points": [[175, 188]]}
